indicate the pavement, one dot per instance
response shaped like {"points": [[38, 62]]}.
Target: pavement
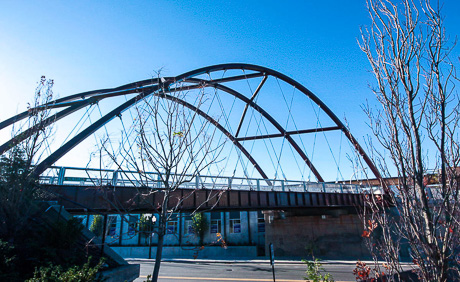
{"points": [[255, 261], [173, 270]]}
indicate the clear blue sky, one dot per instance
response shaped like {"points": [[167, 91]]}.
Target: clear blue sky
{"points": [[86, 45]]}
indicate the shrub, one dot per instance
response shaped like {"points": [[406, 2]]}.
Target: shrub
{"points": [[97, 226], [200, 225], [52, 273], [315, 270]]}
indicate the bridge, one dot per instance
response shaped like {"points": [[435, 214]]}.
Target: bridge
{"points": [[276, 147], [113, 194], [195, 80], [223, 81]]}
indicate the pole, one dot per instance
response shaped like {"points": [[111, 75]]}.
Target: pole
{"points": [[272, 260], [150, 236], [104, 231]]}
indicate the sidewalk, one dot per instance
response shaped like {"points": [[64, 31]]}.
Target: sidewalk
{"points": [[246, 261]]}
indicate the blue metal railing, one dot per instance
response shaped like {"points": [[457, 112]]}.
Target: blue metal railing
{"points": [[96, 177]]}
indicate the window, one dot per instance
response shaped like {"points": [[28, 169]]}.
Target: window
{"points": [[216, 222], [260, 222], [112, 225], [171, 227], [132, 225], [235, 222], [188, 225]]}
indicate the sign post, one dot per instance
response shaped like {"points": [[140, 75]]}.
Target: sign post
{"points": [[272, 260]]}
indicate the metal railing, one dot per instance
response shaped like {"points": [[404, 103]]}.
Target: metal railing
{"points": [[96, 177]]}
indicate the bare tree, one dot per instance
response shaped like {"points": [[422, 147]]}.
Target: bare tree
{"points": [[408, 50], [29, 140], [171, 145]]}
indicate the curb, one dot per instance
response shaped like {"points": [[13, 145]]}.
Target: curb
{"points": [[243, 261]]}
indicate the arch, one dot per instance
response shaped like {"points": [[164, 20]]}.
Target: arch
{"points": [[299, 86], [150, 86]]}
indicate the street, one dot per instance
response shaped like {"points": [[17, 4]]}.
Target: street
{"points": [[238, 271]]}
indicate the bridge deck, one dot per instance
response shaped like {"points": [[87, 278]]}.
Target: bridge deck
{"points": [[109, 199], [111, 191]]}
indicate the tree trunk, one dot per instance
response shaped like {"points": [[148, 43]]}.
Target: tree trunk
{"points": [[162, 229], [156, 269]]}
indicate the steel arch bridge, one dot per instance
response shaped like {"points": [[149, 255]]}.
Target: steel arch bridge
{"points": [[223, 80]]}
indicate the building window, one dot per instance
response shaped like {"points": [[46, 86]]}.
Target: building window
{"points": [[260, 222], [188, 225], [216, 222], [235, 222], [132, 225], [112, 225], [171, 227]]}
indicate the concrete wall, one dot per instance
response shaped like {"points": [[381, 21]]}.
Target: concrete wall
{"points": [[330, 237]]}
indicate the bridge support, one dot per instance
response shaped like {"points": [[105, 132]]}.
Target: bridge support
{"points": [[336, 234]]}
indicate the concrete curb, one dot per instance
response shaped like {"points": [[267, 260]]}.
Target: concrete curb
{"points": [[244, 261]]}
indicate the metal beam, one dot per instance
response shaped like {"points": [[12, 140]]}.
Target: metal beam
{"points": [[14, 119], [70, 195], [235, 78], [246, 107], [87, 94], [130, 88], [29, 132], [323, 129]]}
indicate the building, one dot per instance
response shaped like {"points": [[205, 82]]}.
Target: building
{"points": [[328, 233], [228, 234]]}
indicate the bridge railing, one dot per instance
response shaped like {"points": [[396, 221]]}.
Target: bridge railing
{"points": [[97, 177]]}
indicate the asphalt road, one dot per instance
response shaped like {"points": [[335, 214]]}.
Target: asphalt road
{"points": [[238, 271]]}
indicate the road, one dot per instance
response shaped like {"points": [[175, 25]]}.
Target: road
{"points": [[238, 271]]}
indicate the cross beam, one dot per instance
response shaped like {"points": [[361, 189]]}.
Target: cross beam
{"points": [[323, 129]]}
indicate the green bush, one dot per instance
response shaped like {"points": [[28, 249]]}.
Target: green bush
{"points": [[146, 223], [7, 261], [84, 273], [97, 226], [199, 225], [314, 272]]}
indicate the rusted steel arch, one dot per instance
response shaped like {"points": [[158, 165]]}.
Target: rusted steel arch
{"points": [[301, 88], [146, 87]]}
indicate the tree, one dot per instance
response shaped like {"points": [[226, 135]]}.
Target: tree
{"points": [[200, 226], [97, 225], [29, 237], [416, 126], [17, 186], [172, 141]]}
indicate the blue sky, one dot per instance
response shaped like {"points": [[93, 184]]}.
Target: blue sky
{"points": [[86, 45]]}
